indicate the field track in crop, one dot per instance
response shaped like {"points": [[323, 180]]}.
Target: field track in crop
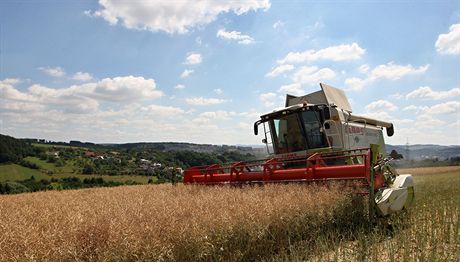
{"points": [[274, 222]]}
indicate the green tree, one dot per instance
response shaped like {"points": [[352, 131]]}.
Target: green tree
{"points": [[87, 170]]}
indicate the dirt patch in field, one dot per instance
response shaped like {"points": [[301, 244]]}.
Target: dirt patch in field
{"points": [[428, 170]]}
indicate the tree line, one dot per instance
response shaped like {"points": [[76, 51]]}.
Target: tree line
{"points": [[33, 185], [13, 150]]}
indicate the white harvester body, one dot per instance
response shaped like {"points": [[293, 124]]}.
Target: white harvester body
{"points": [[323, 122], [317, 138]]}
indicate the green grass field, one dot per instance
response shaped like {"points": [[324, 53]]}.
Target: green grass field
{"points": [[13, 172], [51, 146], [50, 167]]}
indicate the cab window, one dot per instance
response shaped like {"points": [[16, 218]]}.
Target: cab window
{"points": [[287, 135], [311, 122]]}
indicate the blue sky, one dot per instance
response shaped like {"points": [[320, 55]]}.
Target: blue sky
{"points": [[203, 71]]}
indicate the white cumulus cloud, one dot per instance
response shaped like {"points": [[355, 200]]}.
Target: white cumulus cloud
{"points": [[82, 76], [292, 89], [393, 71], [410, 108], [186, 73], [163, 111], [313, 74], [235, 36], [428, 121], [53, 71], [389, 71], [127, 88], [10, 81], [449, 43], [363, 68], [268, 99], [279, 70], [356, 83], [396, 96], [426, 93], [171, 16], [202, 101], [334, 53], [179, 86], [193, 59], [82, 98], [383, 105], [444, 108], [219, 114]]}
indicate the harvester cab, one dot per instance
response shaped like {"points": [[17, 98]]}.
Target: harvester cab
{"points": [[314, 138], [319, 122]]}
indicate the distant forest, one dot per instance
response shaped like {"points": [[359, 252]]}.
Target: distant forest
{"points": [[183, 155], [14, 150]]}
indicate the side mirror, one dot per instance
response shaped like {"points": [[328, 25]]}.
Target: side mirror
{"points": [[256, 127], [390, 130]]}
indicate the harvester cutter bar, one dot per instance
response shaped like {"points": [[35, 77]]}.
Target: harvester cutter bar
{"points": [[319, 167]]}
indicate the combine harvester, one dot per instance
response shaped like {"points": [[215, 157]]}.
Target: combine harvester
{"points": [[317, 138]]}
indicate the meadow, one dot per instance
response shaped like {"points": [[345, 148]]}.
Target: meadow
{"points": [[269, 223], [47, 171]]}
